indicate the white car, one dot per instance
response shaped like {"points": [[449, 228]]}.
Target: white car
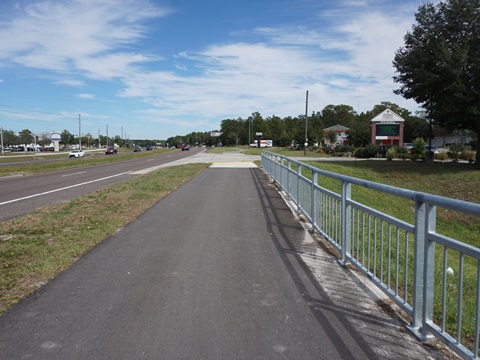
{"points": [[76, 154]]}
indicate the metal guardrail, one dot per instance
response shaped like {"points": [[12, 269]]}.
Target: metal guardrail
{"points": [[435, 279]]}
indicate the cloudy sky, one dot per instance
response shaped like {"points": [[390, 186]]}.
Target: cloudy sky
{"points": [[155, 69]]}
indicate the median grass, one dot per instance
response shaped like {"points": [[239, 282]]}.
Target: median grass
{"points": [[44, 163], [37, 247]]}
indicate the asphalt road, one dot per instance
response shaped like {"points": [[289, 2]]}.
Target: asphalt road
{"points": [[216, 270], [22, 194]]}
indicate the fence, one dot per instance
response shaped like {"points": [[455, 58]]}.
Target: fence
{"points": [[434, 278]]}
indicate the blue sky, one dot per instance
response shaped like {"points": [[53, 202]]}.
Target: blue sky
{"points": [[156, 69]]}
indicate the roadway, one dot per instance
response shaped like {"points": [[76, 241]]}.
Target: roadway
{"points": [[22, 194], [219, 269]]}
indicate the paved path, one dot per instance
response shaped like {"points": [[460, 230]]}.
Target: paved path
{"points": [[219, 269]]}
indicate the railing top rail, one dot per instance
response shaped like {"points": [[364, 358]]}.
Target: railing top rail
{"points": [[441, 201]]}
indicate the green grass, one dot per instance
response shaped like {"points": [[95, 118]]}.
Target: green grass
{"points": [[91, 158], [36, 247], [459, 181], [256, 151]]}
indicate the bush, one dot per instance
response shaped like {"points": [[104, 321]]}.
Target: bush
{"points": [[348, 149], [441, 156], [468, 155], [455, 150], [344, 150], [418, 149], [402, 153], [391, 153], [370, 151], [328, 150]]}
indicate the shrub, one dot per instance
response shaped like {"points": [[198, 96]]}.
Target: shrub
{"points": [[418, 149], [403, 153], [391, 153], [358, 152], [468, 155], [328, 150], [441, 156], [348, 149], [370, 151], [455, 150]]}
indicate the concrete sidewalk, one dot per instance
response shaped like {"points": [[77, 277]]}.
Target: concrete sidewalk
{"points": [[219, 269]]}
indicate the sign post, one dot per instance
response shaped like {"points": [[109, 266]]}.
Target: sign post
{"points": [[259, 137]]}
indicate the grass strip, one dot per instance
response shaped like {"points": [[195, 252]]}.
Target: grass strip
{"points": [[459, 181], [60, 162], [37, 247]]}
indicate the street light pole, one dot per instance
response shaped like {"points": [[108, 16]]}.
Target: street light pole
{"points": [[35, 146], [306, 126], [249, 122]]}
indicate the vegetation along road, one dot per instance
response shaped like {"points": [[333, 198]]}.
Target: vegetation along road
{"points": [[22, 194]]}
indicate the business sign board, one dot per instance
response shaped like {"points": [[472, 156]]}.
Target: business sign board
{"points": [[215, 134], [387, 130], [55, 136]]}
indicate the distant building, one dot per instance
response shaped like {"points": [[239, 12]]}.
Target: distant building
{"points": [[387, 129], [341, 132], [447, 140]]}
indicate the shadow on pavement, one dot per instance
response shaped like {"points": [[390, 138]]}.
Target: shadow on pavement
{"points": [[344, 307]]}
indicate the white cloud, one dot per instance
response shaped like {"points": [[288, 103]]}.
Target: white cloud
{"points": [[86, 96], [343, 58], [352, 64], [64, 36], [70, 82]]}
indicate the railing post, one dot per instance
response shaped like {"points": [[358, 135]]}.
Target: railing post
{"points": [[313, 210], [275, 166], [422, 283], [429, 269], [346, 222], [289, 168], [299, 171]]}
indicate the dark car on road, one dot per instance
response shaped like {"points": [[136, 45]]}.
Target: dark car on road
{"points": [[111, 151], [137, 149], [186, 147]]}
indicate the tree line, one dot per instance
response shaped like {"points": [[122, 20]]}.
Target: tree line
{"points": [[288, 130], [27, 137]]}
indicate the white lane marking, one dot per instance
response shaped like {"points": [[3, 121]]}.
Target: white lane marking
{"points": [[64, 188], [77, 173], [150, 159]]}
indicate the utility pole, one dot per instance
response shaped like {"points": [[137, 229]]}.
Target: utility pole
{"points": [[107, 137], [306, 125], [249, 122], [35, 146], [79, 132], [99, 142], [1, 136]]}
